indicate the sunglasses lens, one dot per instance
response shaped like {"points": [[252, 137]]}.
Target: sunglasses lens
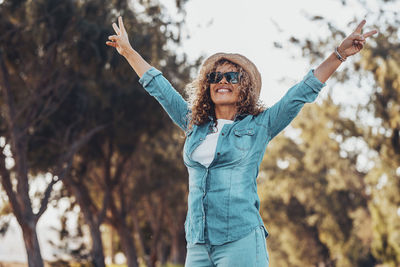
{"points": [[214, 77], [231, 77]]}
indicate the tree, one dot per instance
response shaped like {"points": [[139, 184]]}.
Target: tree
{"points": [[35, 79], [370, 145], [379, 68], [67, 85], [159, 191], [102, 174], [317, 211]]}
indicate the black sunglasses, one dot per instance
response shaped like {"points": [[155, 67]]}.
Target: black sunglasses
{"points": [[215, 77]]}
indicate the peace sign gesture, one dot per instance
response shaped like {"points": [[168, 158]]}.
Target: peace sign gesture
{"points": [[355, 41], [121, 40]]}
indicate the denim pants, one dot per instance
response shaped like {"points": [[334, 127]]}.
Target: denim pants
{"points": [[249, 251]]}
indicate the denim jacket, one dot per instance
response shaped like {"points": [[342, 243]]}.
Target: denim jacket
{"points": [[223, 204]]}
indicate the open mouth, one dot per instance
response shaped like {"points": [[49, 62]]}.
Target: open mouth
{"points": [[223, 90]]}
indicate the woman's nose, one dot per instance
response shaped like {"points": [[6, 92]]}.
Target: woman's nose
{"points": [[223, 80]]}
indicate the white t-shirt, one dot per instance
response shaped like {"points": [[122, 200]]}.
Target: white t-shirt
{"points": [[204, 153]]}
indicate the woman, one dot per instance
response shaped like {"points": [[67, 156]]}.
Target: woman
{"points": [[227, 132]]}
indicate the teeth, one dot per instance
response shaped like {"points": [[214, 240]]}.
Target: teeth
{"points": [[223, 90]]}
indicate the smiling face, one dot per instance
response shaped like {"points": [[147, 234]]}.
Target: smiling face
{"points": [[224, 93]]}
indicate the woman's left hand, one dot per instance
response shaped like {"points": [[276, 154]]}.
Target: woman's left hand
{"points": [[355, 41]]}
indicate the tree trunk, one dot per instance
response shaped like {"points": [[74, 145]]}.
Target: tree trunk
{"points": [[155, 245], [118, 220], [174, 222], [161, 252], [97, 245], [154, 211], [178, 248], [32, 245], [127, 244], [91, 219], [139, 237], [23, 214]]}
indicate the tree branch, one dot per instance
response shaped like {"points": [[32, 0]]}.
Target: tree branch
{"points": [[6, 182], [64, 166]]}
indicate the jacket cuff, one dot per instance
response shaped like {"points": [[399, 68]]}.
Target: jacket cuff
{"points": [[313, 82], [148, 76]]}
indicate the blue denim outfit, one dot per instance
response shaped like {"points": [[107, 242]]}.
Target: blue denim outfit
{"points": [[249, 251], [223, 205]]}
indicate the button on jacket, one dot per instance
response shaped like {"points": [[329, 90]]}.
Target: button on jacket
{"points": [[223, 204]]}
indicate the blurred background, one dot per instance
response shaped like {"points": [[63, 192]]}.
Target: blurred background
{"points": [[91, 166]]}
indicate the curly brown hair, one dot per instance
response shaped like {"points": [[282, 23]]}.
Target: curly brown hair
{"points": [[202, 106]]}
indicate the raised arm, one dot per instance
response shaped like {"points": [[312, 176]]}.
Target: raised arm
{"points": [[150, 78], [124, 48], [350, 46], [276, 118]]}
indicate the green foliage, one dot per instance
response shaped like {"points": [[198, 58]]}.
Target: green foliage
{"points": [[332, 195], [66, 81], [317, 207]]}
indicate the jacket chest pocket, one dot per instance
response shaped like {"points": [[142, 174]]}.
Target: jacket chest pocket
{"points": [[243, 138]]}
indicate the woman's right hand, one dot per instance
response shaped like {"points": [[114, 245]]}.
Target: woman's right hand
{"points": [[121, 40]]}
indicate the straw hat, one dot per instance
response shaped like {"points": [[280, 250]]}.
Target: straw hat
{"points": [[242, 61]]}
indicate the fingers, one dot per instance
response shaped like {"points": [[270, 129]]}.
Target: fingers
{"points": [[116, 29], [113, 37], [370, 33], [356, 40], [359, 27], [121, 24], [111, 44], [358, 44], [359, 37]]}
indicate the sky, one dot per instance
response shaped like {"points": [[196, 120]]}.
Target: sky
{"points": [[250, 28]]}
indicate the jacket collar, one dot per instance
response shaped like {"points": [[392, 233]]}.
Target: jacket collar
{"points": [[240, 116], [237, 117]]}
